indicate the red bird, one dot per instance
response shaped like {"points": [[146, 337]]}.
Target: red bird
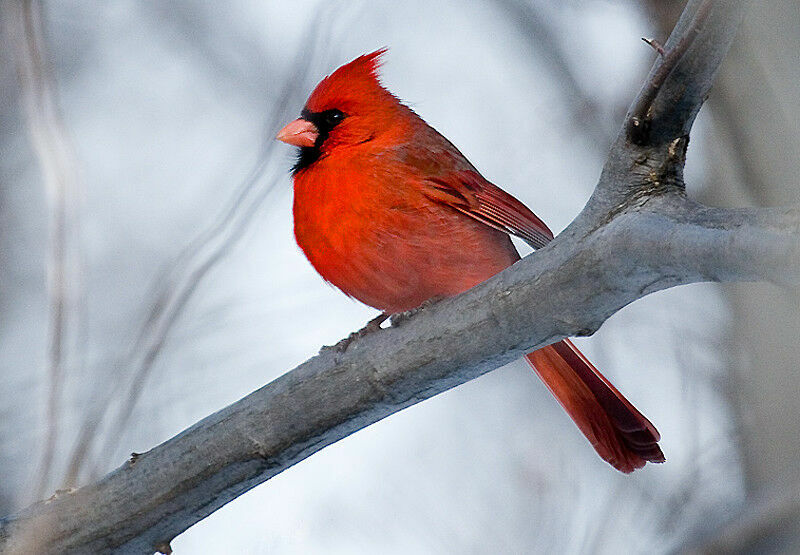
{"points": [[390, 212]]}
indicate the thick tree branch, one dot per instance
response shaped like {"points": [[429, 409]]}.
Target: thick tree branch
{"points": [[638, 234]]}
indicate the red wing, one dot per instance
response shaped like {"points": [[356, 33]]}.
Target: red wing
{"points": [[471, 194]]}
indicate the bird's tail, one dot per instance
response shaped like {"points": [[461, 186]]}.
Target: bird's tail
{"points": [[619, 433]]}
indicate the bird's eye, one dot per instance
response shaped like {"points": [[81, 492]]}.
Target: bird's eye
{"points": [[333, 117]]}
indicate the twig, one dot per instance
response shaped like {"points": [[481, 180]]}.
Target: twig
{"points": [[655, 45]]}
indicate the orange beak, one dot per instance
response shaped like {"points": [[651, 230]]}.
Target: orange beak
{"points": [[300, 132]]}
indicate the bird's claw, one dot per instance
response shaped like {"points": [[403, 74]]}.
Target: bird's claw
{"points": [[375, 324], [401, 317], [372, 326]]}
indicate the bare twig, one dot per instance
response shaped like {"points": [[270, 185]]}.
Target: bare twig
{"points": [[59, 168], [655, 45]]}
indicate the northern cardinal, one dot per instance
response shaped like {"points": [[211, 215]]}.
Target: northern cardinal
{"points": [[390, 212]]}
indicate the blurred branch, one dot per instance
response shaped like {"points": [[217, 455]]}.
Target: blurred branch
{"points": [[545, 45], [755, 97], [59, 169], [638, 234], [774, 515], [230, 53], [174, 288]]}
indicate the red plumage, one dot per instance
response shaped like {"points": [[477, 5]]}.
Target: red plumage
{"points": [[390, 212]]}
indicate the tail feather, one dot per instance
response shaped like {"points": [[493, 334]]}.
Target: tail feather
{"points": [[620, 434]]}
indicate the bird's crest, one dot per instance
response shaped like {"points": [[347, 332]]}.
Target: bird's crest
{"points": [[355, 80]]}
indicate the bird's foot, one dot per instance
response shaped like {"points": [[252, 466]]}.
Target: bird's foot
{"points": [[399, 318], [372, 326]]}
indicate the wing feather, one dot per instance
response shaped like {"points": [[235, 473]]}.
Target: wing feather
{"points": [[471, 194]]}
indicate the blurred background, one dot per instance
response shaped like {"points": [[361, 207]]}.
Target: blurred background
{"points": [[149, 276]]}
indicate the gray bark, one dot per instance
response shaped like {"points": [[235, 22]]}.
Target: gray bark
{"points": [[638, 234]]}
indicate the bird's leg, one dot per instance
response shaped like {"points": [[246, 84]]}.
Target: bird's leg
{"points": [[400, 317], [372, 326], [375, 324]]}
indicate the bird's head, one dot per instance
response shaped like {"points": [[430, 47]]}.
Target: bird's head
{"points": [[349, 107]]}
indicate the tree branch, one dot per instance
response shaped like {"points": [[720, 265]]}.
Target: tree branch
{"points": [[666, 109], [638, 234]]}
